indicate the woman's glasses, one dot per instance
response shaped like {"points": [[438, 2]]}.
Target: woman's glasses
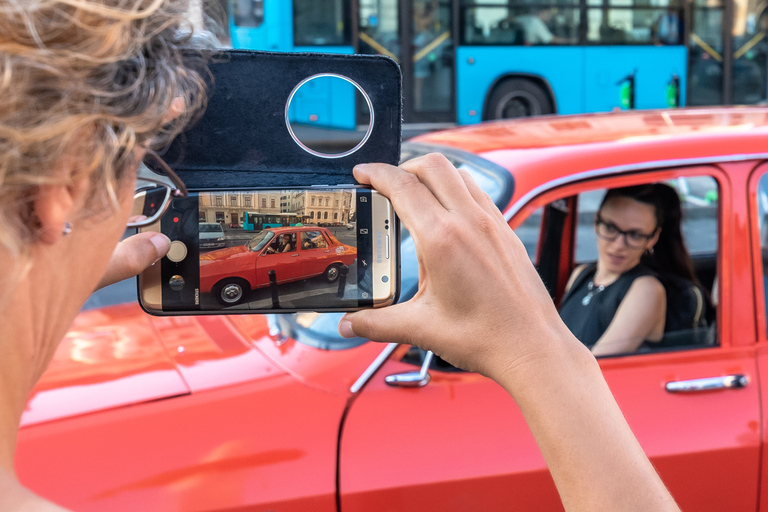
{"points": [[154, 191], [632, 238]]}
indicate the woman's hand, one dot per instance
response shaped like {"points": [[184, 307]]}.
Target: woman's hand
{"points": [[133, 254], [479, 295]]}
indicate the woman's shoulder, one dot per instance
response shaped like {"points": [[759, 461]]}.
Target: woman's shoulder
{"points": [[648, 285]]}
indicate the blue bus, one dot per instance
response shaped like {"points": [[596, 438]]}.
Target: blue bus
{"points": [[464, 61], [254, 221]]}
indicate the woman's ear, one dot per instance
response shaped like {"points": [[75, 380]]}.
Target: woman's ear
{"points": [[56, 205], [654, 238]]}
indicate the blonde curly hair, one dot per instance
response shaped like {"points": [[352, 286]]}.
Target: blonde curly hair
{"points": [[91, 80]]}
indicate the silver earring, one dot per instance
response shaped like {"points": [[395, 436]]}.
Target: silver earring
{"points": [[67, 228], [649, 251]]}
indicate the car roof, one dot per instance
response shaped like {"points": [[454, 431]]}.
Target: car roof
{"points": [[543, 149], [295, 228]]}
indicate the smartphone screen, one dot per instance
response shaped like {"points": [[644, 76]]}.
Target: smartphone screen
{"points": [[317, 248]]}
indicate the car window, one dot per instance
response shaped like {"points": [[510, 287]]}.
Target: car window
{"points": [[762, 216], [698, 196], [284, 242], [313, 240], [258, 242], [211, 228], [690, 314], [528, 232]]}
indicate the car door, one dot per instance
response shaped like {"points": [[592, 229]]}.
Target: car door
{"points": [[460, 443], [286, 265], [758, 223], [316, 252]]}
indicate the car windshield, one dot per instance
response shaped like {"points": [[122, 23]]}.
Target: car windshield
{"points": [[321, 330], [210, 228], [258, 242]]}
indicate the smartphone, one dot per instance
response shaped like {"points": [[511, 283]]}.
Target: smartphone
{"points": [[318, 248]]}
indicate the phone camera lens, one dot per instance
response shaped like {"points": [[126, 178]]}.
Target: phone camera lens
{"points": [[384, 279], [386, 227], [176, 283]]}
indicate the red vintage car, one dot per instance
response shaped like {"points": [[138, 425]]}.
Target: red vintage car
{"points": [[309, 251], [280, 413]]}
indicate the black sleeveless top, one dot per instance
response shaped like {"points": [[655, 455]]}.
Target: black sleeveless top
{"points": [[589, 321]]}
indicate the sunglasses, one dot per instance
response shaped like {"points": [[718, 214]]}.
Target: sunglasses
{"points": [[156, 186]]}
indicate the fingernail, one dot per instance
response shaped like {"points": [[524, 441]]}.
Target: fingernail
{"points": [[345, 328], [162, 244]]}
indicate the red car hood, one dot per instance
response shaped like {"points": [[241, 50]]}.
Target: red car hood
{"points": [[119, 356], [222, 254]]}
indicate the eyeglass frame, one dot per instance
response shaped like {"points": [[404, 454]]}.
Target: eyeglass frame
{"points": [[168, 180], [620, 232]]}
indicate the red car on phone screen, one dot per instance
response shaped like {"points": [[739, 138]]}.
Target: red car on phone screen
{"points": [[292, 253], [280, 413]]}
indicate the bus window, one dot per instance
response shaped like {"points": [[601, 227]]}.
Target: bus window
{"points": [[520, 23], [634, 22], [321, 23]]}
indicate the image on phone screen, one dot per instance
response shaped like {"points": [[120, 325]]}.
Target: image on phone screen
{"points": [[269, 250]]}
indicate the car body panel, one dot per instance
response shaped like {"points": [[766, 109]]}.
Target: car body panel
{"points": [[332, 371], [109, 358], [268, 444]]}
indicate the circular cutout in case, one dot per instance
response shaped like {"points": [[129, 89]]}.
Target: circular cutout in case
{"points": [[325, 81]]}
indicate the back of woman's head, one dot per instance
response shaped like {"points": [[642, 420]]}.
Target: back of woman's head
{"points": [[669, 255], [83, 83]]}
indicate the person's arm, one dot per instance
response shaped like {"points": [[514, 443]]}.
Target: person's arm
{"points": [[640, 316], [484, 308]]}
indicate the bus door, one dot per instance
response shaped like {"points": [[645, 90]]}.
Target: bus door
{"points": [[418, 34]]}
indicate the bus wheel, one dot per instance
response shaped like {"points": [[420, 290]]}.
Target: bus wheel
{"points": [[518, 97], [231, 291]]}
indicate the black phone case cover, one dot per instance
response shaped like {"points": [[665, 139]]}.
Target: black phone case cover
{"points": [[242, 139]]}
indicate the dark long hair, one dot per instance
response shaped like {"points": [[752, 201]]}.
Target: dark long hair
{"points": [[669, 255]]}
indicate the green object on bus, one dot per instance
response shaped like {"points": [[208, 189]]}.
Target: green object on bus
{"points": [[673, 92], [625, 93], [711, 196]]}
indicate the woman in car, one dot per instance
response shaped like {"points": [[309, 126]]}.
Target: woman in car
{"points": [[618, 303], [88, 86]]}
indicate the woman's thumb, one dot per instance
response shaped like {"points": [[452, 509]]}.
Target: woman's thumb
{"points": [[389, 324]]}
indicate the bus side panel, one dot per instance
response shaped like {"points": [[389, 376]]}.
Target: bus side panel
{"points": [[654, 67], [478, 68], [274, 34]]}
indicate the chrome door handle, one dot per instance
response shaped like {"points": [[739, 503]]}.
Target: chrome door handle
{"points": [[294, 255], [708, 384], [412, 379]]}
